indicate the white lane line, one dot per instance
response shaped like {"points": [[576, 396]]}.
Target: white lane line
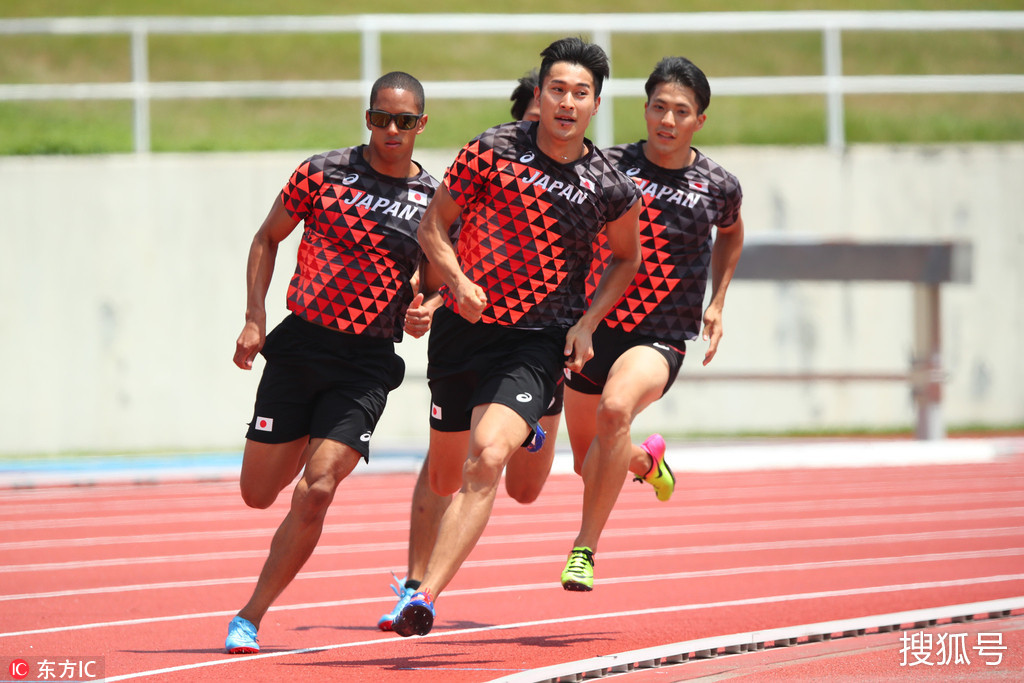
{"points": [[605, 556], [547, 585], [746, 524], [376, 642], [557, 492], [928, 501]]}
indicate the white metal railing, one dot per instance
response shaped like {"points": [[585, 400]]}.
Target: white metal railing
{"points": [[600, 28]]}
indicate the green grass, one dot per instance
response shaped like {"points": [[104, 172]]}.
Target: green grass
{"points": [[54, 8], [65, 128], [201, 125]]}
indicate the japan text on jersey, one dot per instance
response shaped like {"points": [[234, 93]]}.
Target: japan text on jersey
{"points": [[529, 224], [358, 249], [680, 208]]}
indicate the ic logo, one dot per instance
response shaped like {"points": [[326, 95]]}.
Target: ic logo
{"points": [[19, 669], [365, 436], [524, 398], [350, 178], [528, 157]]}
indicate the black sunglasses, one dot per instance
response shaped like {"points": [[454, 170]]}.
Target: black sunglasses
{"points": [[383, 119]]}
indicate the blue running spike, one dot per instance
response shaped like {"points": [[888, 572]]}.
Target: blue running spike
{"points": [[241, 637], [403, 593], [537, 440], [416, 616]]}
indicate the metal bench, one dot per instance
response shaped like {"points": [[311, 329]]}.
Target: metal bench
{"points": [[926, 265]]}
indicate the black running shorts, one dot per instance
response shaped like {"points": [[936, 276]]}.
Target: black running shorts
{"points": [[323, 383], [558, 400], [474, 364], [609, 344]]}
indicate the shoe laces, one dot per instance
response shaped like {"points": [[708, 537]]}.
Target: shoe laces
{"points": [[248, 629], [580, 558], [398, 586]]}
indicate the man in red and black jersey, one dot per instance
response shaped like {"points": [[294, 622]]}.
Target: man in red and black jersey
{"points": [[532, 198], [640, 344], [526, 471], [331, 363]]}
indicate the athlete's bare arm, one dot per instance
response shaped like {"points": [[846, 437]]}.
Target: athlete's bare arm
{"points": [[441, 213], [262, 254], [724, 257], [420, 314], [624, 241]]}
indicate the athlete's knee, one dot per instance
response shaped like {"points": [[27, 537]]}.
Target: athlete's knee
{"points": [[445, 475], [268, 469], [524, 494], [426, 495], [613, 416], [525, 481], [313, 496], [257, 494], [444, 485], [484, 467]]}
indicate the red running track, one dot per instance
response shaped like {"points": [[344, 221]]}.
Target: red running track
{"points": [[147, 576]]}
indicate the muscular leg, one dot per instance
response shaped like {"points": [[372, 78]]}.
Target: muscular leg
{"points": [[267, 468], [495, 433], [581, 423], [428, 506], [635, 381], [329, 462], [526, 473], [447, 459]]}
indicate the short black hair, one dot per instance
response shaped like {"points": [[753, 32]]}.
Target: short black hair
{"points": [[523, 94], [684, 72], [576, 51], [399, 80]]}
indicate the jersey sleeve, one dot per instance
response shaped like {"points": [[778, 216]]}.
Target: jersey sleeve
{"points": [[624, 195], [620, 192], [297, 195], [468, 174], [733, 199]]}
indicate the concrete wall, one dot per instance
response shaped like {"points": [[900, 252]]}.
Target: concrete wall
{"points": [[122, 282]]}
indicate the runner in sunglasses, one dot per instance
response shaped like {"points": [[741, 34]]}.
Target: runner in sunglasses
{"points": [[331, 363]]}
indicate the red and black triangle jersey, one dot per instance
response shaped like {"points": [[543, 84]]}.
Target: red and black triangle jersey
{"points": [[358, 248], [529, 224], [679, 209]]}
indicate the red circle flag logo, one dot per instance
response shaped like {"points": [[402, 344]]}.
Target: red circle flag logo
{"points": [[19, 669]]}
